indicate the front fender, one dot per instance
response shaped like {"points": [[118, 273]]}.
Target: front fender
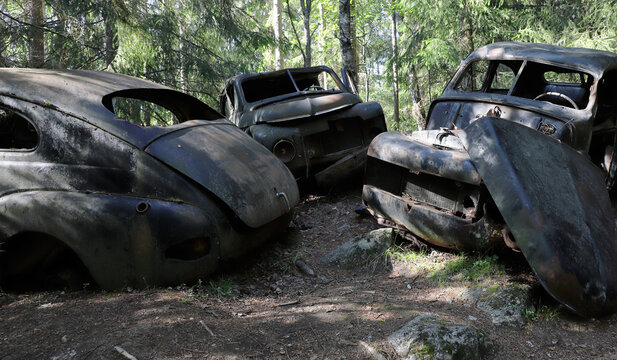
{"points": [[555, 202]]}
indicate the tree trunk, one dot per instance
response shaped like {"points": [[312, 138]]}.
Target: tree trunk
{"points": [[37, 36], [306, 12], [110, 34], [417, 110], [346, 39], [182, 59], [468, 39], [395, 67], [278, 29], [367, 74], [322, 42]]}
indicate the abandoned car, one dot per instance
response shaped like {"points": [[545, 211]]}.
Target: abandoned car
{"points": [[308, 118], [139, 184], [519, 149]]}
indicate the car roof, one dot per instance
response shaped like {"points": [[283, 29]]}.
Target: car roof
{"points": [[83, 93], [595, 62], [62, 88]]}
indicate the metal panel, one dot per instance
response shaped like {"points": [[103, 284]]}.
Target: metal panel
{"points": [[555, 202], [255, 185]]}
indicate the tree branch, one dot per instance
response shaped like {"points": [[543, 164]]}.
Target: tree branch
{"points": [[295, 32]]}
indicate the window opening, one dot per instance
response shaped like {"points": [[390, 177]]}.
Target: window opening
{"points": [[16, 133]]}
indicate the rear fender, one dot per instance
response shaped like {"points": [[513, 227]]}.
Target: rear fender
{"points": [[122, 240]]}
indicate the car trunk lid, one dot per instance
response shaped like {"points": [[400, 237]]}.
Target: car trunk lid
{"points": [[255, 185]]}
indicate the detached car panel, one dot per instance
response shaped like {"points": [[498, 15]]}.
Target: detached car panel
{"points": [[519, 150], [143, 184], [307, 118]]}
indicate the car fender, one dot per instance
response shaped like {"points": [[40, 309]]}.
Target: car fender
{"points": [[556, 205], [122, 240]]}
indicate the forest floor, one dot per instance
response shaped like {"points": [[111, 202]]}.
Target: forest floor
{"points": [[265, 307]]}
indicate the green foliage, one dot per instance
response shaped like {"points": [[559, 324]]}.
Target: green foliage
{"points": [[445, 268], [545, 312], [469, 268], [407, 254], [213, 288], [194, 45]]}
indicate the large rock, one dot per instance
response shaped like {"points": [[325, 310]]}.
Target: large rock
{"points": [[430, 337], [506, 304], [368, 252]]}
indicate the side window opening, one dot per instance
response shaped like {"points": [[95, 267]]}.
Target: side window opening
{"points": [[16, 133], [607, 98]]}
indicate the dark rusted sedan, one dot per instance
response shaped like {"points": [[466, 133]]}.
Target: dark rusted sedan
{"points": [[141, 184], [308, 118], [519, 148]]}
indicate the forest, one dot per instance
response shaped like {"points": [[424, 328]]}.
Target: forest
{"points": [[400, 52]]}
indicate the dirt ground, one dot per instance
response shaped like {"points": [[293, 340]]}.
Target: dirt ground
{"points": [[266, 307]]}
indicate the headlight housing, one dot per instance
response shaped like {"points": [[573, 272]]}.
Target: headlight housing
{"points": [[285, 150]]}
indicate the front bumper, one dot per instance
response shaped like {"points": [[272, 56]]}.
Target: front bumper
{"points": [[437, 227]]}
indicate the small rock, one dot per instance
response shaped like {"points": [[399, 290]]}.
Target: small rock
{"points": [[300, 264], [427, 336], [472, 318], [367, 251], [343, 228], [471, 295], [65, 338], [506, 304]]}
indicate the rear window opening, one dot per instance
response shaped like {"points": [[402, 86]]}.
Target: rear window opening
{"points": [[157, 107], [16, 133], [143, 113], [531, 80], [286, 82]]}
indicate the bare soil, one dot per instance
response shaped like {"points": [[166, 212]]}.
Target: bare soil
{"points": [[266, 307]]}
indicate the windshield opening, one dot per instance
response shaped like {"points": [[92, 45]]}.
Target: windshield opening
{"points": [[543, 82], [271, 85]]}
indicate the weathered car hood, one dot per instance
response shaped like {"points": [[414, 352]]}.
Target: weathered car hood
{"points": [[299, 108], [556, 205], [256, 185]]}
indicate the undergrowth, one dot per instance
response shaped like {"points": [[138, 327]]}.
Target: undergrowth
{"points": [[444, 267]]}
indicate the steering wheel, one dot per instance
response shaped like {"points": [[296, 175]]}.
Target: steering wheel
{"points": [[559, 95], [313, 87]]}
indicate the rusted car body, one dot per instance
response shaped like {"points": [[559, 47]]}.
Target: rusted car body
{"points": [[520, 148], [144, 185], [308, 118]]}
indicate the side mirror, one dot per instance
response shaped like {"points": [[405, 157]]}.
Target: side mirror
{"points": [[348, 81]]}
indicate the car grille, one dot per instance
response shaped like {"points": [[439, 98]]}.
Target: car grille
{"points": [[342, 134]]}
